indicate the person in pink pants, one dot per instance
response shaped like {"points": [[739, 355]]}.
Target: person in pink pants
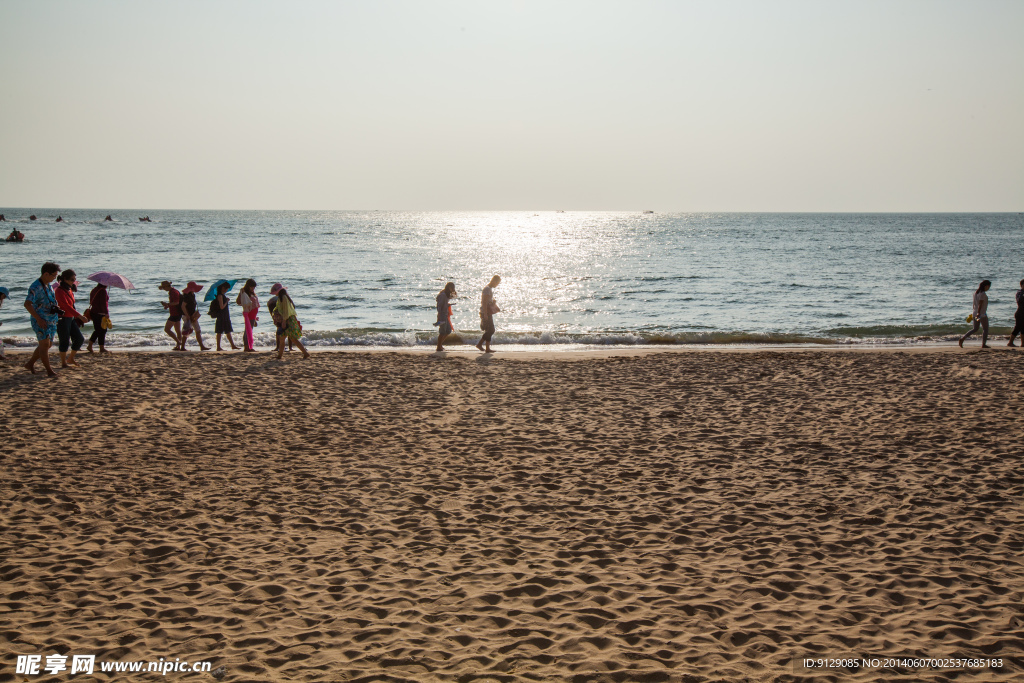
{"points": [[250, 311]]}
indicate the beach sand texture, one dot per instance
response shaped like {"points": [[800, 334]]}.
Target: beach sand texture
{"points": [[397, 517]]}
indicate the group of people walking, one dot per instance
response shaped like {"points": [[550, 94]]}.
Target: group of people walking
{"points": [[54, 313], [979, 316], [488, 307], [183, 315]]}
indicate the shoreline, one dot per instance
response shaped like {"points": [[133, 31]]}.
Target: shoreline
{"points": [[524, 352]]}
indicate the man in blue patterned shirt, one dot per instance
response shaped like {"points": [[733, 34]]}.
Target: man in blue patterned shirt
{"points": [[42, 306]]}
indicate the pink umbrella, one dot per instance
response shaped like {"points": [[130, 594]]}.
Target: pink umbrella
{"points": [[105, 277]]}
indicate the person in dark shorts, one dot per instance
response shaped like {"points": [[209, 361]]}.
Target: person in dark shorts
{"points": [[190, 315], [488, 307], [69, 320], [1018, 317], [173, 306]]}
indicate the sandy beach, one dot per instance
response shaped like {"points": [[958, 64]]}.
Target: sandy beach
{"points": [[697, 516]]}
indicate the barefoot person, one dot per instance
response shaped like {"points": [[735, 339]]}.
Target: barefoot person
{"points": [[488, 307], [444, 313], [1018, 317], [5, 294], [42, 306], [278, 322], [292, 329], [190, 315], [250, 311], [173, 306], [980, 314], [69, 320], [223, 325], [99, 308]]}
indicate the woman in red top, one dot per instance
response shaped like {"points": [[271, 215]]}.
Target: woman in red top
{"points": [[68, 320]]}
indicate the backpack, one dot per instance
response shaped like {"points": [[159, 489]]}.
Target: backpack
{"points": [[214, 309]]}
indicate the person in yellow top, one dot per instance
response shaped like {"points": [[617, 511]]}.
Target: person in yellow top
{"points": [[290, 322]]}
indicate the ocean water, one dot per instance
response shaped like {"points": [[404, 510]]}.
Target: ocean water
{"points": [[369, 278]]}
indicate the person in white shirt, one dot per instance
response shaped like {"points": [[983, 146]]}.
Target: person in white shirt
{"points": [[250, 310], [488, 307], [980, 314]]}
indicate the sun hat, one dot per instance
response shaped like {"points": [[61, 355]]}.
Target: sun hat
{"points": [[192, 287], [6, 292], [276, 288]]}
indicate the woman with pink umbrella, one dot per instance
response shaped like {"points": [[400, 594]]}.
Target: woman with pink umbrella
{"points": [[99, 305]]}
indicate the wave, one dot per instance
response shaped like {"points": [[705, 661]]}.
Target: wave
{"points": [[390, 338]]}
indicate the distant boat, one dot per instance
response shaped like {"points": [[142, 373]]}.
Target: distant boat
{"points": [[648, 211], [145, 220]]}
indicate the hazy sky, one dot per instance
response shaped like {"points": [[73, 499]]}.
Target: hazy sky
{"points": [[673, 106]]}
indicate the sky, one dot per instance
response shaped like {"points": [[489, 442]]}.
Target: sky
{"points": [[726, 105]]}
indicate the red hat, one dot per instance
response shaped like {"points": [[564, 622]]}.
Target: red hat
{"points": [[192, 287]]}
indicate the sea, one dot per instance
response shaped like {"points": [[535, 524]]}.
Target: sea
{"points": [[570, 280]]}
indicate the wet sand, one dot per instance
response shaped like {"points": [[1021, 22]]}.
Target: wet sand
{"points": [[693, 516]]}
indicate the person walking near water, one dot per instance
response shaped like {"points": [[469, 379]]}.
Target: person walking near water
{"points": [[444, 313], [69, 320], [292, 329], [99, 308], [173, 306], [220, 306], [250, 311], [42, 306], [1018, 317], [190, 315], [980, 315], [488, 307]]}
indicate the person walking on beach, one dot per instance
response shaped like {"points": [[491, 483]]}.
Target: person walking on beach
{"points": [[980, 314], [99, 308], [68, 319], [5, 294], [250, 311], [488, 307], [278, 322], [444, 313], [292, 329], [190, 315], [41, 304], [1018, 317], [220, 305], [173, 306]]}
